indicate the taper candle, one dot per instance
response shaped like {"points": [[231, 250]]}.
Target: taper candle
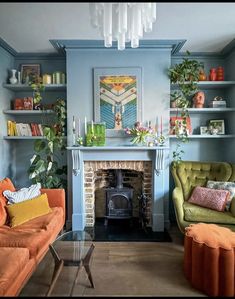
{"points": [[74, 124], [156, 126], [85, 126], [79, 133], [161, 125], [92, 127]]}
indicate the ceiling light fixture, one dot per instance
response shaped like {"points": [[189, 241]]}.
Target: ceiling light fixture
{"points": [[123, 22]]}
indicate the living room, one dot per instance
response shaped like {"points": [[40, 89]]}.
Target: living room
{"points": [[120, 126]]}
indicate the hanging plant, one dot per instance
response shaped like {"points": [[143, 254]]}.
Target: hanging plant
{"points": [[186, 76], [37, 87]]}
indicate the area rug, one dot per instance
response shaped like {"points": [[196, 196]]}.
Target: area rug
{"points": [[125, 230]]}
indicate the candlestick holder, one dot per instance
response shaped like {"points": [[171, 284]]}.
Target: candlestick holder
{"points": [[79, 141], [161, 140], [74, 137]]}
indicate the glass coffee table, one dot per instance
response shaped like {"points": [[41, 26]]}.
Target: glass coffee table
{"points": [[73, 248]]}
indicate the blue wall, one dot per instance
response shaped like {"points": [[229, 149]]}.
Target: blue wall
{"points": [[7, 157], [155, 83], [24, 151]]}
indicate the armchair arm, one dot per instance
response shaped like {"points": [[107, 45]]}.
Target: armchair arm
{"points": [[56, 198], [178, 200], [232, 208]]}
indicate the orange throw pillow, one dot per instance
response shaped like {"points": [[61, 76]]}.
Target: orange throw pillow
{"points": [[5, 184]]}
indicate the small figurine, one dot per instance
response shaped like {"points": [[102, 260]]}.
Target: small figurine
{"points": [[199, 99]]}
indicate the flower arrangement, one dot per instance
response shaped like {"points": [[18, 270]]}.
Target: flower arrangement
{"points": [[140, 133]]}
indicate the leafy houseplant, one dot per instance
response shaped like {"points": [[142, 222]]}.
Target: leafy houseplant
{"points": [[186, 76], [37, 87], [44, 165]]}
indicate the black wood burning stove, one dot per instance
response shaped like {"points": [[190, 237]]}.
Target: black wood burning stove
{"points": [[118, 200]]}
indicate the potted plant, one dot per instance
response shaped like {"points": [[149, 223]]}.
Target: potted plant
{"points": [[37, 87], [186, 76], [45, 166]]}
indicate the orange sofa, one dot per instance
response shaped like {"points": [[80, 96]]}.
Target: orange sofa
{"points": [[24, 246]]}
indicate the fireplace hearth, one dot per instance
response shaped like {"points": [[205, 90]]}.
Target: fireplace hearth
{"points": [[118, 200]]}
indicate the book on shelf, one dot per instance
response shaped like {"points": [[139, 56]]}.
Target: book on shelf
{"points": [[23, 129]]}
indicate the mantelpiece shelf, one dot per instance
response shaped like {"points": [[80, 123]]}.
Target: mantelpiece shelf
{"points": [[25, 137], [203, 110], [206, 136], [28, 112], [24, 87], [209, 84]]}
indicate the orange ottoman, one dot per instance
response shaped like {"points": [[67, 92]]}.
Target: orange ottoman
{"points": [[209, 259]]}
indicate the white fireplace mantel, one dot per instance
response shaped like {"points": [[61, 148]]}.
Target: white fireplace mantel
{"points": [[158, 156]]}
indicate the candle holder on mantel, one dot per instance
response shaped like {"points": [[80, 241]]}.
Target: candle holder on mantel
{"points": [[95, 134], [79, 141], [161, 140]]}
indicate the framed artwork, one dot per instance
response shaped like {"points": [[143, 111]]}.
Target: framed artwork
{"points": [[176, 125], [204, 130], [217, 124], [30, 72], [118, 98]]}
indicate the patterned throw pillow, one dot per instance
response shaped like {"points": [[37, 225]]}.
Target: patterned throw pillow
{"points": [[209, 198], [230, 186], [22, 194]]}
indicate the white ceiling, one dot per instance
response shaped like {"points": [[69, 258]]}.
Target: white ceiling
{"points": [[28, 27]]}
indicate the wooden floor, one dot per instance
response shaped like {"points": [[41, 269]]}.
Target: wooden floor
{"points": [[122, 269]]}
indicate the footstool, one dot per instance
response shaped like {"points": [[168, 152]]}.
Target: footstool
{"points": [[209, 258]]}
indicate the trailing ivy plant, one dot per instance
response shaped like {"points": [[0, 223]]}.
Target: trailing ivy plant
{"points": [[45, 165], [186, 76], [37, 87]]}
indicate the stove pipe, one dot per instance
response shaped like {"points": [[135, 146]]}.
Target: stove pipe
{"points": [[119, 179]]}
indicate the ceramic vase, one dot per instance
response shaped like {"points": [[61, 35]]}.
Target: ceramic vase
{"points": [[13, 79]]}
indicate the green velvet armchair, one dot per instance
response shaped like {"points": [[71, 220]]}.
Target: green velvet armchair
{"points": [[189, 174]]}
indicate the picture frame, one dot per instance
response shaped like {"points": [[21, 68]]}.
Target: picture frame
{"points": [[29, 73], [219, 124], [117, 98], [204, 130]]}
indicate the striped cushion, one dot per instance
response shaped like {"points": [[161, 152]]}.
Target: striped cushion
{"points": [[22, 194]]}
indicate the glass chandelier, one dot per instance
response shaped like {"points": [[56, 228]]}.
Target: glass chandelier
{"points": [[123, 22]]}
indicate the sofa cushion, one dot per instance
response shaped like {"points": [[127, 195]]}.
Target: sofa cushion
{"points": [[230, 186], [193, 213], [35, 234], [22, 194], [24, 211], [209, 198], [12, 262], [5, 184]]}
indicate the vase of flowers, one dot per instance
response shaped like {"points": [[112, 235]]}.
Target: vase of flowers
{"points": [[139, 134]]}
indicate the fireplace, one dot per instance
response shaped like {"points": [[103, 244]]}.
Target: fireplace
{"points": [[118, 200], [149, 162]]}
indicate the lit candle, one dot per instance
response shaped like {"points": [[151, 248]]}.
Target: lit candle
{"points": [[156, 126], [74, 124], [161, 125], [79, 127], [85, 126]]}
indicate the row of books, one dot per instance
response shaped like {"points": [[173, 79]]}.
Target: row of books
{"points": [[21, 129]]}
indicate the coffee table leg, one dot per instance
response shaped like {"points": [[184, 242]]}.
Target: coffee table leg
{"points": [[57, 269], [86, 264], [76, 279]]}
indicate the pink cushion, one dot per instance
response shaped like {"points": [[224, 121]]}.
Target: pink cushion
{"points": [[214, 199]]}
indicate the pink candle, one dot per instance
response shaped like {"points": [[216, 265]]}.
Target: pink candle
{"points": [[161, 125]]}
